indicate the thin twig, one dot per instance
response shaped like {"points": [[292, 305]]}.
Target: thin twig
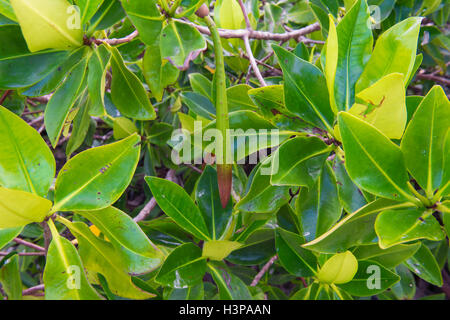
{"points": [[47, 236], [114, 42], [254, 34], [264, 269], [4, 96], [33, 290], [244, 12], [434, 78], [29, 244], [253, 62]]}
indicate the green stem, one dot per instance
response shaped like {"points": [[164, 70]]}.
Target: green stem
{"points": [[174, 7], [423, 199], [224, 167]]}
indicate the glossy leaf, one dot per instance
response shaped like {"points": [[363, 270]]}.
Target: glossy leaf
{"points": [[398, 46], [179, 41], [64, 275], [399, 226], [123, 128], [262, 197], [96, 78], [354, 229], [80, 126], [229, 285], [100, 256], [370, 279], [425, 266], [390, 257], [339, 269], [184, 266], [19, 208], [88, 8], [219, 249], [373, 162], [138, 253], [383, 105], [319, 208], [354, 49], [127, 91], [299, 162], [26, 162], [423, 143], [10, 278], [207, 196], [258, 248], [48, 24], [177, 204], [146, 17], [62, 102], [295, 259], [158, 72], [7, 235], [99, 184], [305, 90]]}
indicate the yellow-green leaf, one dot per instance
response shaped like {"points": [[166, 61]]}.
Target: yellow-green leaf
{"points": [[219, 249], [49, 24], [19, 208], [331, 62], [384, 106], [340, 268]]}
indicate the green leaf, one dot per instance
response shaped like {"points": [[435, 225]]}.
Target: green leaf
{"points": [[371, 279], [399, 226], [63, 101], [138, 254], [184, 266], [200, 84], [296, 260], [123, 128], [88, 8], [179, 41], [54, 79], [339, 269], [7, 10], [199, 104], [26, 162], [47, 24], [354, 229], [98, 185], [445, 185], [230, 286], [425, 266], [127, 91], [158, 72], [238, 98], [262, 197], [97, 68], [406, 287], [177, 204], [390, 257], [7, 235], [395, 52], [373, 162], [305, 90], [383, 105], [423, 143], [207, 196], [331, 51], [64, 275], [19, 208], [354, 49], [299, 162], [100, 256], [219, 249], [258, 248], [146, 17], [110, 12], [350, 196], [80, 125], [10, 278], [319, 208], [15, 60]]}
